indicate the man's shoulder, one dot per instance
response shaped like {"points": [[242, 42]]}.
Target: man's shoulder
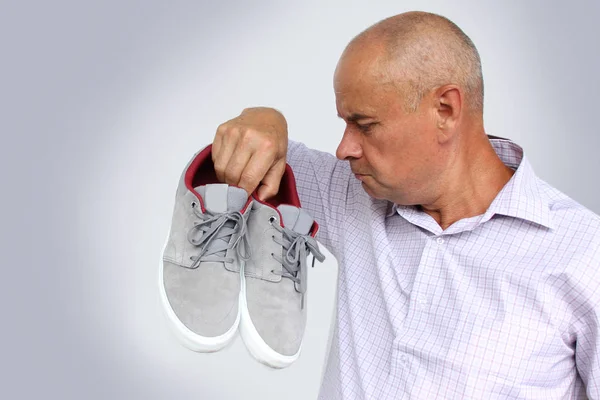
{"points": [[569, 217], [307, 162]]}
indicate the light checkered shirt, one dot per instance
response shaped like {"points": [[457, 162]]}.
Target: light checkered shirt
{"points": [[501, 305]]}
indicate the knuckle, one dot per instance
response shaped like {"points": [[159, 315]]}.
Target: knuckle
{"points": [[228, 131], [247, 179], [268, 145], [229, 176], [234, 131], [218, 165], [222, 129], [249, 136]]}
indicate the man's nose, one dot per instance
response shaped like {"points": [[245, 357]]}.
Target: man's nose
{"points": [[349, 147]]}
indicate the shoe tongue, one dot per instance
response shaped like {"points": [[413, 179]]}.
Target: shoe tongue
{"points": [[220, 197], [296, 219]]}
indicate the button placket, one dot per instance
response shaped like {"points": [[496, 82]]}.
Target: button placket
{"points": [[399, 359], [423, 284]]}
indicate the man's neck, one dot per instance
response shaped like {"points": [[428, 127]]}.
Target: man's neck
{"points": [[471, 183]]}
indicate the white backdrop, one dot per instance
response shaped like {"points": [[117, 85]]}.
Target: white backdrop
{"points": [[102, 104]]}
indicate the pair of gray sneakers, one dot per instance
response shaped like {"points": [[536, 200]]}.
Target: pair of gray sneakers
{"points": [[232, 261]]}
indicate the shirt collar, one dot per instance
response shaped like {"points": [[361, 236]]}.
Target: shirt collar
{"points": [[520, 198]]}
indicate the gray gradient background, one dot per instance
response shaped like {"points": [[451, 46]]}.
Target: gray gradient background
{"points": [[102, 103]]}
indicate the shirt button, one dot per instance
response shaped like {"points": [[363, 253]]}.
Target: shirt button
{"points": [[403, 358], [439, 240]]}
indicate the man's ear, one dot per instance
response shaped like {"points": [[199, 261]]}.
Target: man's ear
{"points": [[448, 102]]}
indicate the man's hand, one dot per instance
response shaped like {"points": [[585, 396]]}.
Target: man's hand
{"points": [[250, 150]]}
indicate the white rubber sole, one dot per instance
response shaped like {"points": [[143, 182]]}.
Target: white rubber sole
{"points": [[255, 344], [186, 337]]}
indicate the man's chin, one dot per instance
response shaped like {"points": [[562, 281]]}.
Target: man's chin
{"points": [[371, 192]]}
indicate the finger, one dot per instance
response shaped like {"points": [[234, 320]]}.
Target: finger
{"points": [[255, 171], [223, 130], [217, 144], [270, 183], [227, 147], [237, 163]]}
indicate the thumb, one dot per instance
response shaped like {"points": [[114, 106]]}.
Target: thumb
{"points": [[270, 183]]}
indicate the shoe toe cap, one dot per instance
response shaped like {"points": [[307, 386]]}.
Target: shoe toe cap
{"points": [[205, 299], [275, 311]]}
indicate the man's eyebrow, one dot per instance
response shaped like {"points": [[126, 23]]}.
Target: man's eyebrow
{"points": [[356, 117]]}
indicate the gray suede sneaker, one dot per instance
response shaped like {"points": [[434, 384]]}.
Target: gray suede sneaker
{"points": [[202, 263], [281, 237]]}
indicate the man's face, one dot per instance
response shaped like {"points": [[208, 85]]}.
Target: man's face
{"points": [[393, 153]]}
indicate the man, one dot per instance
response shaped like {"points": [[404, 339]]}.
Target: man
{"points": [[462, 274]]}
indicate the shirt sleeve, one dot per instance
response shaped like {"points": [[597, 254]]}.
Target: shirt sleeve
{"points": [[587, 323], [322, 183]]}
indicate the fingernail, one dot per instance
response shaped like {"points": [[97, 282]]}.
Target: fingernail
{"points": [[260, 195]]}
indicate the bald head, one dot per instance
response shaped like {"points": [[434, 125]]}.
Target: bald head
{"points": [[418, 52]]}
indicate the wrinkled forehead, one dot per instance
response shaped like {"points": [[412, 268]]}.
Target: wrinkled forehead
{"points": [[365, 94], [360, 66]]}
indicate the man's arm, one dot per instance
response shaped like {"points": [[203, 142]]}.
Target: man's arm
{"points": [[322, 182], [584, 293], [586, 354]]}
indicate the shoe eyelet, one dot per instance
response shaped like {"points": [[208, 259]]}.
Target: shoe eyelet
{"points": [[272, 219], [194, 204]]}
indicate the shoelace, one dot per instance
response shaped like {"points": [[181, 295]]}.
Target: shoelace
{"points": [[213, 233], [297, 248]]}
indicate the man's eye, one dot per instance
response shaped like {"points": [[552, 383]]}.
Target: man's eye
{"points": [[366, 128]]}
